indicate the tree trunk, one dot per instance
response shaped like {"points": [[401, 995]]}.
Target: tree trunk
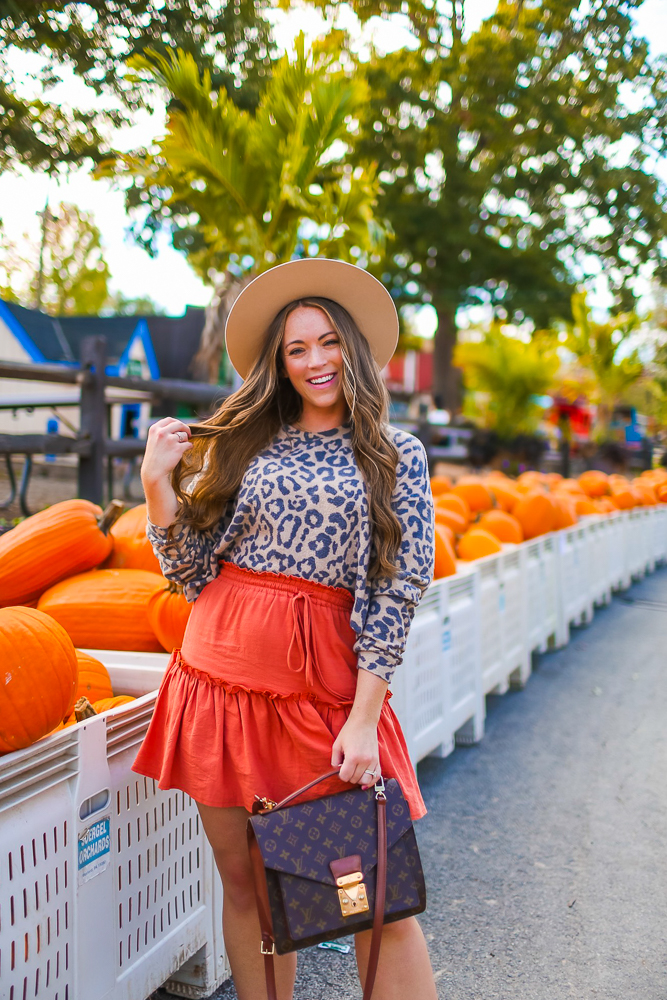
{"points": [[447, 389], [205, 365]]}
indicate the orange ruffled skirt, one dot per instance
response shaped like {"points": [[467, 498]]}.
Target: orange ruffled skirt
{"points": [[264, 682]]}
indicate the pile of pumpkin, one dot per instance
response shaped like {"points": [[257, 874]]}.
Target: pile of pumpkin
{"points": [[476, 515], [75, 576]]}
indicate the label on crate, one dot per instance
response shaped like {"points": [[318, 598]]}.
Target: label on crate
{"points": [[446, 636], [94, 848]]}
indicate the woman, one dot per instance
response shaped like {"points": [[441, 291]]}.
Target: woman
{"points": [[306, 541]]}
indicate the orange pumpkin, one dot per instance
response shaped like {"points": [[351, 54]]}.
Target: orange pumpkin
{"points": [[131, 548], [168, 613], [64, 539], [605, 505], [505, 494], [106, 608], [661, 490], [106, 704], [646, 492], [584, 507], [622, 497], [453, 520], [532, 478], [477, 543], [504, 526], [440, 484], [594, 483], [536, 514], [94, 681], [39, 675], [445, 558], [451, 501], [565, 511], [474, 492]]}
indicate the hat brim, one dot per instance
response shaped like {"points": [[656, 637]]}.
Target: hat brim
{"points": [[364, 297]]}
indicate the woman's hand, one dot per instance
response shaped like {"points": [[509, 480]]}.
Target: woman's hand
{"points": [[356, 750], [168, 440], [356, 747]]}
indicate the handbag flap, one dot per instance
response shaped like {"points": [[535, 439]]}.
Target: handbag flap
{"points": [[303, 839]]}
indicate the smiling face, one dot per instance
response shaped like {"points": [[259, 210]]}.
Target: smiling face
{"points": [[313, 361]]}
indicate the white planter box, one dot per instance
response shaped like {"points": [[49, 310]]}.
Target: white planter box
{"points": [[107, 885]]}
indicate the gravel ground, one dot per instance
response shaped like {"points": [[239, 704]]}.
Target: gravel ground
{"points": [[544, 846]]}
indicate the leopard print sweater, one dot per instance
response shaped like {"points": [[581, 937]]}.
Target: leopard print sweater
{"points": [[302, 510]]}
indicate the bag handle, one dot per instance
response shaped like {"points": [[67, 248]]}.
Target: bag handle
{"points": [[267, 947]]}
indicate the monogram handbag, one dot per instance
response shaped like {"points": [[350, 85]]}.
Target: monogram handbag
{"points": [[333, 866]]}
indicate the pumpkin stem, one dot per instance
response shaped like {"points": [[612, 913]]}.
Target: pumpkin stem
{"points": [[174, 588], [83, 710], [110, 515]]}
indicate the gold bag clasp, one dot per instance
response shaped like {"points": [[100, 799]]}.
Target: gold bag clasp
{"points": [[352, 894]]}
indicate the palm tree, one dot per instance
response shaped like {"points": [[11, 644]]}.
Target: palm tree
{"points": [[504, 375], [244, 191], [603, 350]]}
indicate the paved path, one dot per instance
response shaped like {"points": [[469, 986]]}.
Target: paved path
{"points": [[545, 845]]}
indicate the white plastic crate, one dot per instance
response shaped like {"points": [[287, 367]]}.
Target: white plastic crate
{"points": [[599, 575], [504, 653], [575, 603], [90, 852], [418, 685], [659, 531], [491, 606], [462, 654], [619, 575], [516, 654], [541, 592]]}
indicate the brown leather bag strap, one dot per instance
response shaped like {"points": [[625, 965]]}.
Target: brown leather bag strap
{"points": [[311, 784], [264, 910], [380, 893]]}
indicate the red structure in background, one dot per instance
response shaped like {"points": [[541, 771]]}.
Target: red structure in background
{"points": [[577, 414], [411, 371]]}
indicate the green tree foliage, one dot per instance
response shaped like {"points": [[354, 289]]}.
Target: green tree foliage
{"points": [[518, 162], [242, 191], [604, 350], [74, 278], [502, 376], [95, 39]]}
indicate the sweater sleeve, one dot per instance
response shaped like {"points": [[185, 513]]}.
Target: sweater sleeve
{"points": [[393, 600], [190, 557]]}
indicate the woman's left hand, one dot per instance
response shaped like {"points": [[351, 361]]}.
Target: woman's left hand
{"points": [[356, 749]]}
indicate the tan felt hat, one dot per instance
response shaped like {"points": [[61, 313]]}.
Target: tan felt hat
{"points": [[364, 297]]}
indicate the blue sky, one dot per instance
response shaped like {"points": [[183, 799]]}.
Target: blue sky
{"points": [[167, 279]]}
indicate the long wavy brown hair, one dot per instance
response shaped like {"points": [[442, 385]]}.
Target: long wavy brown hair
{"points": [[246, 422]]}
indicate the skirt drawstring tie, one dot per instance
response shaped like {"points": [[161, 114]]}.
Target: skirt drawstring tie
{"points": [[302, 652]]}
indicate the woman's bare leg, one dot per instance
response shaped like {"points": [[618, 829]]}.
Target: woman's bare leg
{"points": [[226, 833], [404, 969]]}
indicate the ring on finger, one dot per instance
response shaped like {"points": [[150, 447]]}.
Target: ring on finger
{"points": [[181, 436], [371, 772]]}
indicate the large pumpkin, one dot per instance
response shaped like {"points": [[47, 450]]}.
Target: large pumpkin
{"points": [[131, 548], [594, 483], [474, 492], [440, 484], [477, 543], [94, 681], [106, 704], [451, 501], [38, 677], [453, 520], [168, 613], [106, 609], [505, 493], [64, 539], [535, 513], [445, 557], [504, 526]]}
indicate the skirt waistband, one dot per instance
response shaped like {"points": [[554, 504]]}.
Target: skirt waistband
{"points": [[337, 596]]}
